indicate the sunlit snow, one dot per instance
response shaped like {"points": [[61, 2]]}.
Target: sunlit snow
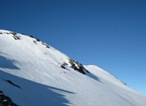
{"points": [[31, 75]]}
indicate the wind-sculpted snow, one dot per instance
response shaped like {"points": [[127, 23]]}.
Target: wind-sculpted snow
{"points": [[32, 73]]}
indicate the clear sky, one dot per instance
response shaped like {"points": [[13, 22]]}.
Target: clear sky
{"points": [[108, 33]]}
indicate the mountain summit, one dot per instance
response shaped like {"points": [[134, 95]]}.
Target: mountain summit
{"points": [[33, 73]]}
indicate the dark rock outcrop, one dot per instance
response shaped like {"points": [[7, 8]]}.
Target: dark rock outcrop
{"points": [[5, 100]]}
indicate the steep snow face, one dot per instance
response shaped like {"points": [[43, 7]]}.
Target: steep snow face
{"points": [[33, 73]]}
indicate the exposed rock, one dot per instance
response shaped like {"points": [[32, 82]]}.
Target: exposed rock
{"points": [[5, 100]]}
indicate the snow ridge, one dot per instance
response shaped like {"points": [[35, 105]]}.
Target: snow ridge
{"points": [[33, 73]]}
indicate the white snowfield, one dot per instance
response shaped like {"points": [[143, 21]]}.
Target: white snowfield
{"points": [[31, 75]]}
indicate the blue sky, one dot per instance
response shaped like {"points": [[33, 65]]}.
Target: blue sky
{"points": [[108, 33]]}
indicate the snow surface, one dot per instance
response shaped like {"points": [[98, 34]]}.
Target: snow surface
{"points": [[39, 80]]}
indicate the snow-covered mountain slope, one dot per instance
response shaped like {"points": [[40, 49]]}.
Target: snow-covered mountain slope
{"points": [[33, 73]]}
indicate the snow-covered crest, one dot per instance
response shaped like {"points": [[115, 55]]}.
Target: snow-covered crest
{"points": [[33, 73]]}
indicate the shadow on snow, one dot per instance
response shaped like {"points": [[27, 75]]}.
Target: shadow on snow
{"points": [[6, 63], [31, 93]]}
